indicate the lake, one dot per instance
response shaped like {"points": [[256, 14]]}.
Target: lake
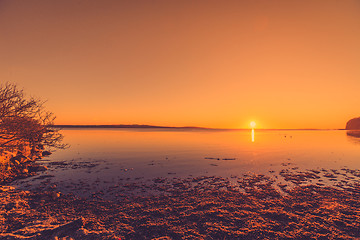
{"points": [[101, 158]]}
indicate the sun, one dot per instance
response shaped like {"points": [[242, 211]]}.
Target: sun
{"points": [[252, 124]]}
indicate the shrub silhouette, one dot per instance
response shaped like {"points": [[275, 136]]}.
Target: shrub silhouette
{"points": [[25, 122]]}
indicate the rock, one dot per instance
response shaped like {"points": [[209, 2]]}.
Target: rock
{"points": [[64, 230], [71, 230], [55, 195], [11, 205], [37, 168], [35, 151], [19, 158], [353, 124], [6, 188], [46, 153], [42, 168]]}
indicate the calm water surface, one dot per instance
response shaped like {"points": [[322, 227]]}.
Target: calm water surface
{"points": [[108, 155]]}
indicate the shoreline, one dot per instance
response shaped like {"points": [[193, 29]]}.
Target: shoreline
{"points": [[140, 126], [195, 208]]}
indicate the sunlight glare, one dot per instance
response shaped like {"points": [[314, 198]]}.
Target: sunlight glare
{"points": [[253, 124]]}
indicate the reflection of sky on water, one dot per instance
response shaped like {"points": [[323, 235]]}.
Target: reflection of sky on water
{"points": [[153, 153], [108, 155]]}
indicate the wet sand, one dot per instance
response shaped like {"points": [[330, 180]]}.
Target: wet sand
{"points": [[290, 203]]}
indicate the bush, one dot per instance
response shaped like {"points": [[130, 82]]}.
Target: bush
{"points": [[25, 122]]}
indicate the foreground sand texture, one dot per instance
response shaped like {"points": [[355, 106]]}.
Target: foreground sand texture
{"points": [[197, 208]]}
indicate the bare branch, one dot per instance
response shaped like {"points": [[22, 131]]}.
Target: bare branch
{"points": [[24, 121]]}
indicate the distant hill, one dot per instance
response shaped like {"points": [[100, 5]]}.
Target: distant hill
{"points": [[353, 124], [129, 126]]}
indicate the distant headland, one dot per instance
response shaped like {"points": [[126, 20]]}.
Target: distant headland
{"points": [[353, 124], [132, 126]]}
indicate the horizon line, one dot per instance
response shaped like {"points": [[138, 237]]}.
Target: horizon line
{"points": [[172, 127]]}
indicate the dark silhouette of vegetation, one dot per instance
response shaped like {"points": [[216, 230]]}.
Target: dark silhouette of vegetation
{"points": [[25, 122], [353, 124]]}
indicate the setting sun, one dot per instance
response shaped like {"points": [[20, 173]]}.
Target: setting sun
{"points": [[252, 124]]}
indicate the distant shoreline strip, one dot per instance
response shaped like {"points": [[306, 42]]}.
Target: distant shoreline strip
{"points": [[182, 128]]}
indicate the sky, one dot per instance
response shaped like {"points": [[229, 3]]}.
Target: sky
{"points": [[221, 64]]}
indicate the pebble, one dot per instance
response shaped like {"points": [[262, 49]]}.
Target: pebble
{"points": [[6, 188]]}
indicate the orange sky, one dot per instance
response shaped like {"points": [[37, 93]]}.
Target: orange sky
{"points": [[283, 64]]}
